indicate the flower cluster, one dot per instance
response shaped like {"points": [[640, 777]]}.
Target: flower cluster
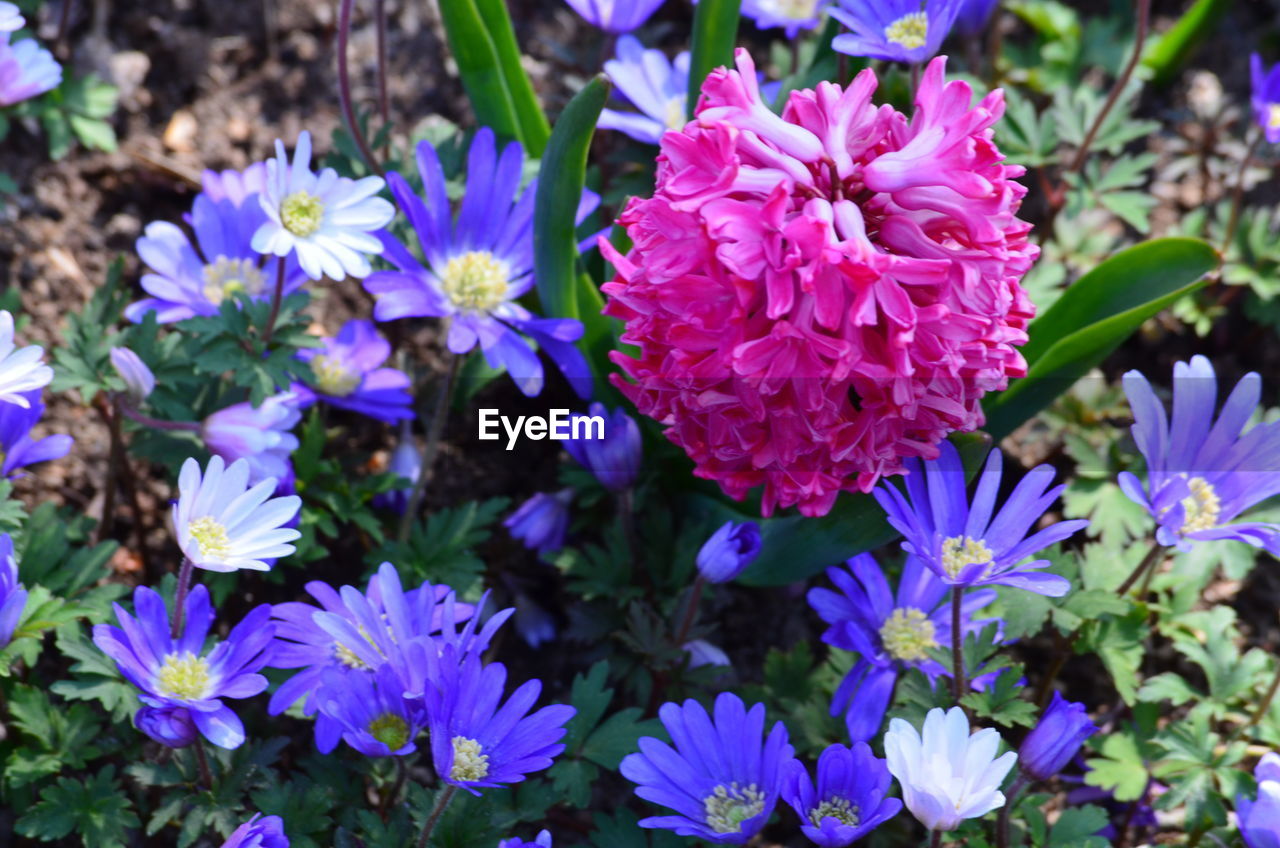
{"points": [[819, 296]]}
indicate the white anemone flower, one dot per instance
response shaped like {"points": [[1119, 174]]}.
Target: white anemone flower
{"points": [[21, 368], [327, 219], [223, 524], [947, 775], [10, 17]]}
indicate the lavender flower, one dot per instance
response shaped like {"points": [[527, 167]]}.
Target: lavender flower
{"points": [[26, 70], [223, 524], [1266, 97], [258, 435], [615, 16], [328, 221], [10, 17], [478, 266], [1056, 738], [189, 276], [729, 551], [259, 832], [947, 775], [614, 457], [791, 15], [654, 84], [173, 673], [1260, 818], [962, 543], [17, 449], [1203, 472], [349, 376], [13, 598], [139, 382], [371, 712], [474, 742], [973, 16], [890, 635], [543, 841], [406, 462], [542, 521], [894, 30], [703, 653], [22, 369], [849, 800], [720, 780]]}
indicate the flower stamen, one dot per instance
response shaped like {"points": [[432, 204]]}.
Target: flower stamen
{"points": [[908, 635], [334, 377], [475, 281], [224, 276], [302, 213], [391, 730], [729, 806], [911, 31], [469, 763], [840, 809], [1202, 508], [212, 538], [959, 552], [184, 676]]}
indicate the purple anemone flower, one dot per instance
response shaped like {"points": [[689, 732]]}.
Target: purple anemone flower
{"points": [[170, 726], [654, 84], [259, 435], [174, 673], [17, 449], [791, 15], [543, 841], [477, 267], [849, 800], [1203, 472], [1260, 818], [349, 376], [259, 832], [729, 551], [542, 521], [477, 741], [371, 713], [1056, 738], [26, 70], [13, 598], [721, 779], [188, 277], [1266, 97], [611, 451], [973, 16], [962, 542], [894, 30], [615, 16], [889, 634]]}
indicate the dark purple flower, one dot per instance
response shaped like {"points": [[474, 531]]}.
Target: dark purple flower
{"points": [[174, 673], [13, 598], [729, 551], [259, 832], [909, 31], [477, 267], [610, 451], [722, 779], [962, 542], [1260, 818], [171, 726], [849, 800], [973, 16], [542, 521], [372, 712], [17, 448], [1056, 738], [1266, 97], [349, 375]]}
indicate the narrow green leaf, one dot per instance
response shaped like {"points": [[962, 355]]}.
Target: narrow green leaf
{"points": [[715, 31], [534, 129], [480, 67], [1093, 317], [1167, 54]]}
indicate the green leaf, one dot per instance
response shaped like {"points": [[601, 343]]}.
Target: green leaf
{"points": [[1077, 826], [1168, 52], [1120, 770], [1168, 686], [715, 30], [534, 129], [1093, 317], [480, 67], [96, 808]]}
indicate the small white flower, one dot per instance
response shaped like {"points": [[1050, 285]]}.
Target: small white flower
{"points": [[10, 17], [21, 369], [224, 525], [327, 219], [947, 776], [139, 382]]}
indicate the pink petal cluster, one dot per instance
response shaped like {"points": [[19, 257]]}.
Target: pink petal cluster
{"points": [[819, 295]]}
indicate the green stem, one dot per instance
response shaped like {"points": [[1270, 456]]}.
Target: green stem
{"points": [[1148, 561], [180, 598], [959, 684], [1010, 801], [430, 449], [442, 801], [276, 297]]}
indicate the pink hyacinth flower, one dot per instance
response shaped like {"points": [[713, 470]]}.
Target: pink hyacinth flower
{"points": [[819, 295]]}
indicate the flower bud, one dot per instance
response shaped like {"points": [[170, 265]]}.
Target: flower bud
{"points": [[171, 726], [1056, 739], [542, 521], [729, 551], [139, 382], [614, 458], [258, 435]]}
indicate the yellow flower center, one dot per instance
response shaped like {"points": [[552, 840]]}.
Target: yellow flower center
{"points": [[798, 10], [350, 658], [302, 213], [729, 806], [476, 281], [958, 552], [840, 809], [1202, 509], [911, 31], [1273, 116], [676, 107], [468, 761], [184, 676], [908, 635], [225, 276], [211, 536], [333, 377], [391, 730]]}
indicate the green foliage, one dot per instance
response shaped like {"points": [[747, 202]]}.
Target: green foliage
{"points": [[480, 63], [95, 808], [78, 110], [715, 30], [441, 549]]}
